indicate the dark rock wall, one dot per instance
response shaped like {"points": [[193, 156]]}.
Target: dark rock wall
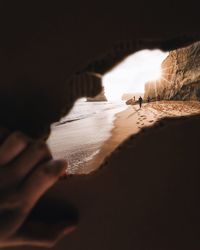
{"points": [[48, 51], [99, 98]]}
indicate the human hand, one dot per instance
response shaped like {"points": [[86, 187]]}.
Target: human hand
{"points": [[27, 171]]}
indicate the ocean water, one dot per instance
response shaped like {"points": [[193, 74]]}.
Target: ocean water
{"points": [[79, 136]]}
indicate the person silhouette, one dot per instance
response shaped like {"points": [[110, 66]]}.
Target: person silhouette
{"points": [[140, 101]]}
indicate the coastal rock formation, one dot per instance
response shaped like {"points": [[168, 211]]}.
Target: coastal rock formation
{"points": [[45, 61], [130, 102], [99, 98], [180, 76], [148, 195]]}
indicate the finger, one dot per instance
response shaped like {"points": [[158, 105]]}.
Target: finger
{"points": [[12, 147], [41, 234], [42, 178], [34, 154], [29, 192]]}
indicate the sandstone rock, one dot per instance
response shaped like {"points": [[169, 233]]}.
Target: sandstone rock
{"points": [[99, 98], [180, 76], [130, 102]]}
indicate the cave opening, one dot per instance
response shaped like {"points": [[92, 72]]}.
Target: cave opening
{"points": [[129, 77], [169, 84]]}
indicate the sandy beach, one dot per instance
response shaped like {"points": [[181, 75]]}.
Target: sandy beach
{"points": [[133, 119], [147, 197], [88, 141], [79, 136]]}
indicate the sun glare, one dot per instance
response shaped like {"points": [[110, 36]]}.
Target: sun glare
{"points": [[131, 75]]}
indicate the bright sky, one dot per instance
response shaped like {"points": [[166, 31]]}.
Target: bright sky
{"points": [[131, 75]]}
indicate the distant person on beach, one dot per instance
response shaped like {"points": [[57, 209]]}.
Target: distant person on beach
{"points": [[158, 98], [148, 99], [134, 98], [140, 101]]}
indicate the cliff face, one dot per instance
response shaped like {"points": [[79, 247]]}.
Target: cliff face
{"points": [[180, 76], [99, 98]]}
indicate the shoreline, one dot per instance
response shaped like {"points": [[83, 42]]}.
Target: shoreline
{"points": [[131, 120], [120, 132], [78, 142]]}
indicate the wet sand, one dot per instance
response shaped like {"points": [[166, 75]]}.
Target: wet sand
{"points": [[132, 120], [79, 140], [147, 197]]}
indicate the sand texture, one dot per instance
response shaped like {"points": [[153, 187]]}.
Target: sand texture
{"points": [[145, 197]]}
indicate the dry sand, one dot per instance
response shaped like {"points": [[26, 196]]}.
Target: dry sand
{"points": [[133, 119], [147, 197]]}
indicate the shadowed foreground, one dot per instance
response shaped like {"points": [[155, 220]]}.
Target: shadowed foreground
{"points": [[53, 54], [146, 197]]}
